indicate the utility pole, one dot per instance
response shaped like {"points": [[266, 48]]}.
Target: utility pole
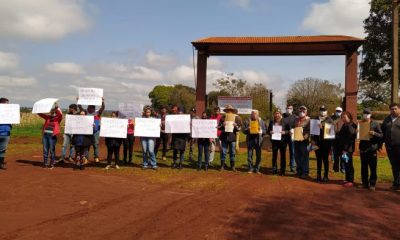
{"points": [[395, 67]]}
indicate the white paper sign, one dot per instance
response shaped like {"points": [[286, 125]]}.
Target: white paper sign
{"points": [[9, 114], [314, 127], [179, 123], [113, 127], [130, 110], [90, 96], [276, 132], [147, 127], [329, 131], [79, 124], [204, 128], [44, 105]]}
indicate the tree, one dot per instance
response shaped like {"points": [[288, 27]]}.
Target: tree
{"points": [[314, 92], [160, 96], [231, 85], [183, 96], [377, 57], [260, 96], [212, 98]]}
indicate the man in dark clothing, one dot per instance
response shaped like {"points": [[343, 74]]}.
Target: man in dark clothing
{"points": [[337, 162], [289, 119], [391, 135], [163, 136], [368, 151]]}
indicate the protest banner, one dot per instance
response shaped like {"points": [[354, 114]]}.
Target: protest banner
{"points": [[130, 110], [90, 96], [10, 114], [204, 128], [147, 127], [179, 123], [79, 124], [113, 127], [44, 105]]}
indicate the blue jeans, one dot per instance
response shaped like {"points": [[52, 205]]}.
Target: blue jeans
{"points": [[225, 146], [49, 146], [252, 144], [148, 148], [203, 147], [96, 136], [67, 144], [3, 145], [302, 157]]}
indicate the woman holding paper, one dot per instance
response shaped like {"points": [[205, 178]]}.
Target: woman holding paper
{"points": [[128, 142], [278, 131], [179, 146], [347, 138], [148, 145], [81, 144], [203, 146], [301, 139], [113, 147], [5, 132], [322, 140]]}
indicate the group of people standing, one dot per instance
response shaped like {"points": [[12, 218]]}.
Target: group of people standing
{"points": [[294, 131]]}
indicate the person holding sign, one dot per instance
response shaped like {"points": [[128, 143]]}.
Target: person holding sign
{"points": [[391, 135], [192, 141], [290, 119], [254, 128], [300, 135], [51, 129], [5, 132], [369, 149], [128, 142], [67, 143], [215, 142], [347, 138], [337, 122], [81, 144], [179, 146], [148, 145], [279, 130], [113, 147], [164, 137], [324, 144], [229, 125], [203, 146]]}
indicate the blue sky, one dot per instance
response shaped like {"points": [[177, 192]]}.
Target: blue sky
{"points": [[128, 47]]}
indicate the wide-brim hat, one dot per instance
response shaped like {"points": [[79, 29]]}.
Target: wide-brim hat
{"points": [[229, 107]]}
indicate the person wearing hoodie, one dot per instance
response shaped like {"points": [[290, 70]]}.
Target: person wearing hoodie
{"points": [[5, 132], [50, 130], [369, 151]]}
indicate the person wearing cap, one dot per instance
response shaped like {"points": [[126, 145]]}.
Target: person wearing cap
{"points": [[391, 135], [324, 145], [148, 145], [192, 141], [228, 138], [290, 119], [279, 145], [300, 145], [215, 142], [369, 150], [338, 123], [164, 137], [254, 140]]}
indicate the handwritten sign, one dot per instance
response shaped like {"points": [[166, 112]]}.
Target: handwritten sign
{"points": [[314, 127], [329, 131], [9, 114], [363, 134], [79, 124], [298, 134], [204, 128], [147, 127], [254, 127], [114, 127], [229, 120], [276, 132], [44, 105], [177, 123], [90, 96], [130, 110]]}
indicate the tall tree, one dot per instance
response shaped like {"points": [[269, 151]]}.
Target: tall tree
{"points": [[260, 96], [160, 96], [232, 85], [314, 92], [183, 96]]}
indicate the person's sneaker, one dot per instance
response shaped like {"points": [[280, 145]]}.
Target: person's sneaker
{"points": [[107, 167], [318, 179], [145, 168], [155, 168], [257, 172], [164, 158], [3, 166], [325, 180], [234, 169], [250, 171], [348, 184], [70, 159], [222, 168], [372, 188], [116, 166], [274, 172], [85, 161], [173, 166], [51, 167], [291, 169], [282, 173], [96, 159]]}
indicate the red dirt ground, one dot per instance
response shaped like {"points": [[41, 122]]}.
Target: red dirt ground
{"points": [[37, 203]]}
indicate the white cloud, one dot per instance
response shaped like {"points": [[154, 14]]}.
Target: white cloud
{"points": [[10, 81], [159, 61], [131, 72], [68, 68], [8, 60], [41, 19], [342, 17], [241, 3]]}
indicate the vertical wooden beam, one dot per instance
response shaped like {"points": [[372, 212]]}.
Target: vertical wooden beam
{"points": [[351, 83], [395, 67], [201, 82]]}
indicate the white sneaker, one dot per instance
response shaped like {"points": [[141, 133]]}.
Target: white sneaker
{"points": [[116, 167], [108, 167]]}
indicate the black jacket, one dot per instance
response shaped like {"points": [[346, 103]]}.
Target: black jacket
{"points": [[320, 139], [374, 142], [113, 142], [179, 141], [391, 131], [229, 136], [347, 137]]}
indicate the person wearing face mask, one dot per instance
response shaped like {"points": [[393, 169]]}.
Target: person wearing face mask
{"points": [[300, 145], [324, 145], [338, 123], [51, 129], [391, 135], [368, 151], [278, 145], [289, 119]]}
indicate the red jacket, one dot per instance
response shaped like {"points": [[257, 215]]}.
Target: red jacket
{"points": [[57, 120]]}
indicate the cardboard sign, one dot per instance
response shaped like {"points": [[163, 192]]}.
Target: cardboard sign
{"points": [[276, 132], [147, 127], [79, 124], [329, 131], [90, 96], [179, 123], [130, 110], [44, 105], [254, 127], [364, 127], [114, 127], [314, 127], [204, 128], [298, 134]]}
